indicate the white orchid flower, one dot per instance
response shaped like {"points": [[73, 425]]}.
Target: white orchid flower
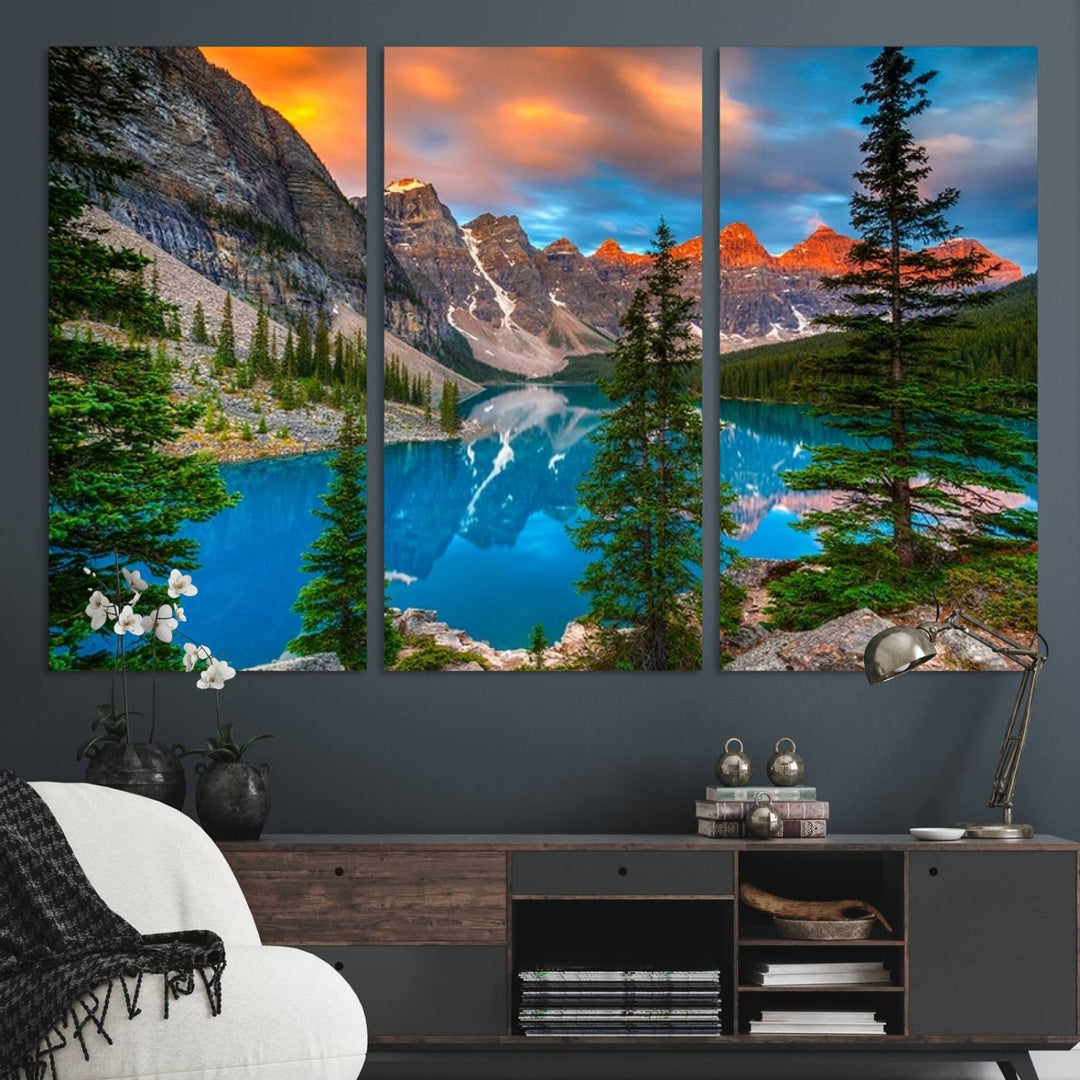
{"points": [[178, 612], [180, 585], [99, 609], [129, 623], [134, 579], [193, 654], [215, 675], [161, 624]]}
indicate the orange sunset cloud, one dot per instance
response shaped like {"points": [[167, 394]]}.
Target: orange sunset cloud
{"points": [[488, 124], [322, 92]]}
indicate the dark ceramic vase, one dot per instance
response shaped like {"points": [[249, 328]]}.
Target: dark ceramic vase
{"points": [[232, 799], [149, 769]]}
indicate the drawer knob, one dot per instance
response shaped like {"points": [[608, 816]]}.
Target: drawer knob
{"points": [[933, 871], [338, 871], [338, 965], [623, 871]]}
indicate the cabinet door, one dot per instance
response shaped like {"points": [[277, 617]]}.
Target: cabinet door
{"points": [[992, 943], [434, 990]]}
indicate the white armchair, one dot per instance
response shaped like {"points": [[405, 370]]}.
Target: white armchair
{"points": [[286, 1015]]}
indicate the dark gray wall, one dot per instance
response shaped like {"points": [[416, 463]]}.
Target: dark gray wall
{"points": [[379, 752]]}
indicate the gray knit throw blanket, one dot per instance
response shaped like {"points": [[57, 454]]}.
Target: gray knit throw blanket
{"points": [[65, 956]]}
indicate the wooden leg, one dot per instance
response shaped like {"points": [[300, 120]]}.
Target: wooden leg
{"points": [[1018, 1067]]}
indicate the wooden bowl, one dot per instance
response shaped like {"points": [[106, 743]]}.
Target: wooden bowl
{"points": [[857, 929]]}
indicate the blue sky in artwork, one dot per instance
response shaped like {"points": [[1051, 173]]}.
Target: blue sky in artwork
{"points": [[586, 143], [789, 137]]}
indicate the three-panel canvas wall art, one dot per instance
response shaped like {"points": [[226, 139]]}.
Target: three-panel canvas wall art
{"points": [[543, 355]]}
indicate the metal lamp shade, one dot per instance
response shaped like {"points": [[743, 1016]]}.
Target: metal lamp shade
{"points": [[895, 651]]}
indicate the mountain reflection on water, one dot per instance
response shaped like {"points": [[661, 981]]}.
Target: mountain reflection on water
{"points": [[475, 528]]}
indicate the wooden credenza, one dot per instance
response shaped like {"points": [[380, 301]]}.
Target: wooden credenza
{"points": [[431, 930]]}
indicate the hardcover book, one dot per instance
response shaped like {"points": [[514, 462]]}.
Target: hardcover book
{"points": [[736, 810], [810, 978], [793, 829], [714, 793]]}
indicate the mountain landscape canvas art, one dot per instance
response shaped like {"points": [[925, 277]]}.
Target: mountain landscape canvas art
{"points": [[208, 353], [878, 349], [543, 272]]}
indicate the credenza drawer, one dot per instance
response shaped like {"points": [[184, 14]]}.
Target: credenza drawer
{"points": [[434, 990], [303, 897], [622, 873]]}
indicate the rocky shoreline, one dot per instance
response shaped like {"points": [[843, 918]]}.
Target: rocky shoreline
{"points": [[836, 645], [421, 626]]}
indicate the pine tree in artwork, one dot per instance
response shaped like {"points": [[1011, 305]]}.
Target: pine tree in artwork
{"points": [[115, 480], [333, 604], [321, 350], [449, 408], [305, 356], [338, 372], [198, 325], [538, 642], [642, 496], [259, 349], [925, 454], [288, 357], [225, 353]]}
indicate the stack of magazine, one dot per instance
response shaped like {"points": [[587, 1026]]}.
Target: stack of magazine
{"points": [[816, 1022], [570, 1001], [811, 973]]}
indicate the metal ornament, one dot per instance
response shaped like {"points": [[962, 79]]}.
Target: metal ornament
{"points": [[734, 767], [763, 822], [785, 767]]}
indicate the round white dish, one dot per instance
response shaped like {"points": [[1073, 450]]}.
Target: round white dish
{"points": [[939, 834]]}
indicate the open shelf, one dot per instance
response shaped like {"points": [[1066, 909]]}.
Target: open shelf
{"points": [[839, 988], [762, 941], [620, 933]]}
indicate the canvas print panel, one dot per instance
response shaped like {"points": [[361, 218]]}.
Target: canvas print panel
{"points": [[207, 353], [878, 349], [542, 382]]}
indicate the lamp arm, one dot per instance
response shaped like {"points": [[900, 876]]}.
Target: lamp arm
{"points": [[1024, 655], [1031, 659]]}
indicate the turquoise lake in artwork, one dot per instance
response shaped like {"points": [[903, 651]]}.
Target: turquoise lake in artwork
{"points": [[758, 443], [475, 528]]}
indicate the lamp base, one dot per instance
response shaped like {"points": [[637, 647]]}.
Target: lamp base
{"points": [[994, 830]]}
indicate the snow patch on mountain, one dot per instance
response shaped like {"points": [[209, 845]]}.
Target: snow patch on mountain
{"points": [[502, 297]]}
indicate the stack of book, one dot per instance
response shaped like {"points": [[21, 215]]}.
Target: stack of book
{"points": [[566, 1001], [722, 813], [817, 973], [816, 1022]]}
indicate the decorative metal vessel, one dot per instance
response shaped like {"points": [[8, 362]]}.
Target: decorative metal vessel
{"points": [[232, 799], [763, 822], [734, 767], [149, 769], [785, 767]]}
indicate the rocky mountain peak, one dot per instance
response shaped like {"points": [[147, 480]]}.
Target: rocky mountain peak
{"points": [[962, 246], [824, 251], [409, 183], [562, 246], [740, 248], [689, 250], [610, 252], [503, 230]]}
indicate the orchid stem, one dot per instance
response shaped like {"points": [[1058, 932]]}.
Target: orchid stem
{"points": [[123, 655]]}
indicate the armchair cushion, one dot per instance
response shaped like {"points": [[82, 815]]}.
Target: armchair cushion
{"points": [[151, 864], [286, 1015]]}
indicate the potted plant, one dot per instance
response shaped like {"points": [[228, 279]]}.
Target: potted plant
{"points": [[113, 757], [232, 796]]}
